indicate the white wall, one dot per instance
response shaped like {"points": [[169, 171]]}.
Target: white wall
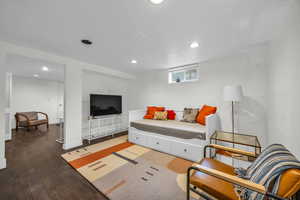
{"points": [[73, 106], [72, 124], [2, 108], [247, 68], [284, 91], [96, 83], [8, 114], [30, 94]]}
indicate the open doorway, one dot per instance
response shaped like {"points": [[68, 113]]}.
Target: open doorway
{"points": [[35, 92]]}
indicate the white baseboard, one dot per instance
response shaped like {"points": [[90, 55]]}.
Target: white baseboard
{"points": [[7, 137], [2, 163], [72, 145]]}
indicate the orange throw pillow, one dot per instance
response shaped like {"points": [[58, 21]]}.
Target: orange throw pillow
{"points": [[160, 109], [148, 117], [151, 111], [205, 111]]}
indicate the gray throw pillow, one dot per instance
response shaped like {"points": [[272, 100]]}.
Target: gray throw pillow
{"points": [[190, 114]]}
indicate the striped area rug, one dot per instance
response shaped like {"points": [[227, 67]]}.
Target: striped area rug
{"points": [[122, 170]]}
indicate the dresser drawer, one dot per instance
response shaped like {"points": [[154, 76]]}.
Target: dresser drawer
{"points": [[187, 151], [160, 144], [138, 138]]}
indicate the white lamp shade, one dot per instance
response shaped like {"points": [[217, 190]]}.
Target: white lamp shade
{"points": [[233, 93]]}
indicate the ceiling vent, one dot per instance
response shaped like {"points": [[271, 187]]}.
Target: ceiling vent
{"points": [[86, 42]]}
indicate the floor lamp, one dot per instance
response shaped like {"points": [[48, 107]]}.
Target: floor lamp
{"points": [[233, 93]]}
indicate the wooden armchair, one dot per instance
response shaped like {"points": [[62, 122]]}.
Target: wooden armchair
{"points": [[212, 179], [30, 119]]}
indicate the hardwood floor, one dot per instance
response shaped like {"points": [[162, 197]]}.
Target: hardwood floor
{"points": [[36, 171]]}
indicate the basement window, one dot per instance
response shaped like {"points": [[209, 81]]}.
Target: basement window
{"points": [[183, 74]]}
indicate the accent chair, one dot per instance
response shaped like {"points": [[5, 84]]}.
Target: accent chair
{"points": [[31, 119]]}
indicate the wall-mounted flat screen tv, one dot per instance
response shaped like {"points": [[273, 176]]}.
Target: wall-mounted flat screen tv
{"points": [[105, 105]]}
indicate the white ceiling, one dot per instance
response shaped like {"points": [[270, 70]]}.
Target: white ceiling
{"points": [[27, 67], [157, 36]]}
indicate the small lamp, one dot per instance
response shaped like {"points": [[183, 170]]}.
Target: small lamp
{"points": [[233, 93]]}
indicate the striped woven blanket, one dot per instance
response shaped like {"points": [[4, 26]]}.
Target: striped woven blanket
{"points": [[267, 168]]}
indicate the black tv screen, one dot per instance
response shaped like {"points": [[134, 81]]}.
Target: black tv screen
{"points": [[105, 105]]}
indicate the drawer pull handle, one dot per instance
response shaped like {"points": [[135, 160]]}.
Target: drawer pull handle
{"points": [[185, 150], [137, 138], [157, 142]]}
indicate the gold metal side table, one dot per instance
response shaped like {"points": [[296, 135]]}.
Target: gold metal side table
{"points": [[243, 141]]}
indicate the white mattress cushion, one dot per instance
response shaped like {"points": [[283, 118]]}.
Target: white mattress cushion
{"points": [[173, 124]]}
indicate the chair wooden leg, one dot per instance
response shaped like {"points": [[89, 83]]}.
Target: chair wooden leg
{"points": [[28, 128], [47, 125], [36, 127], [188, 185]]}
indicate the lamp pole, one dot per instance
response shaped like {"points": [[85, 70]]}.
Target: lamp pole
{"points": [[232, 118], [233, 93]]}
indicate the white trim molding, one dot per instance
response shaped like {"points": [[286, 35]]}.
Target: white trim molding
{"points": [[184, 73], [2, 163], [2, 110], [7, 112], [8, 119], [184, 67], [72, 145]]}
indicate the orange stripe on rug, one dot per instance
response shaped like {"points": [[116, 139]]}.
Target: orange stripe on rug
{"points": [[80, 162], [115, 187]]}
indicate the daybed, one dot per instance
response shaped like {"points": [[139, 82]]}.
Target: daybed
{"points": [[181, 139]]}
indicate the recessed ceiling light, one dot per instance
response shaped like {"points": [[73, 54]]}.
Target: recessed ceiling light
{"points": [[194, 45], [133, 61], [156, 1], [86, 42], [35, 75], [45, 68]]}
